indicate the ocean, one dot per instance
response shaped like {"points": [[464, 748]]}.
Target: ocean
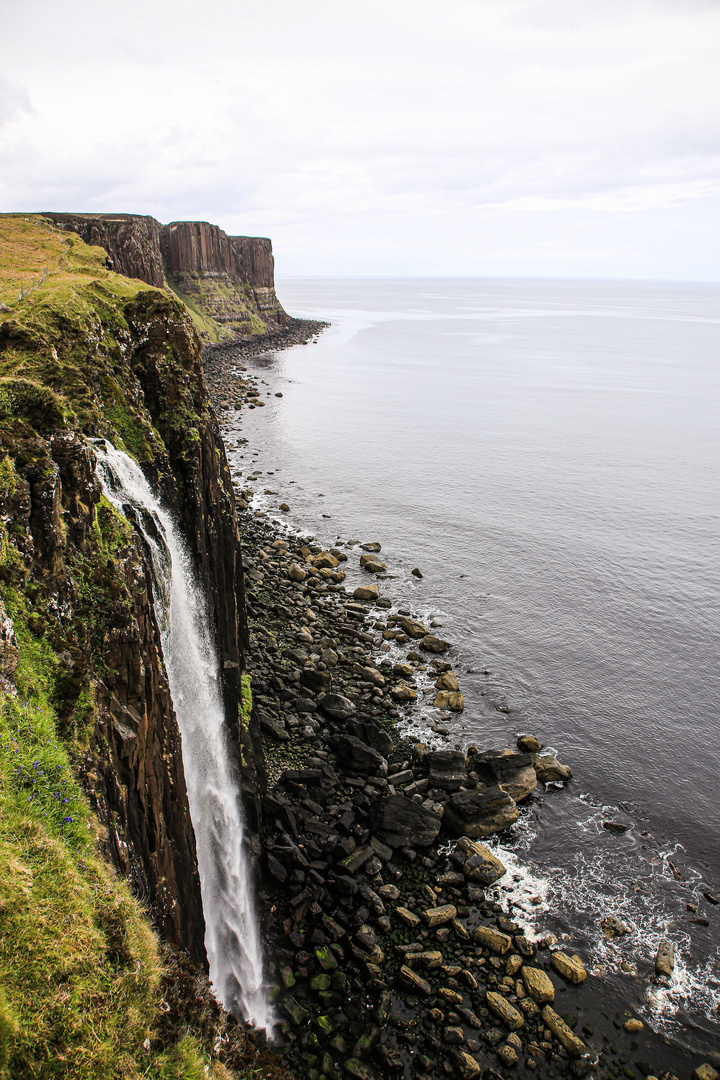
{"points": [[547, 453]]}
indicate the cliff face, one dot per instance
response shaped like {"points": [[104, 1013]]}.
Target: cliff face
{"points": [[227, 282], [168, 366], [132, 242], [108, 358], [196, 246]]}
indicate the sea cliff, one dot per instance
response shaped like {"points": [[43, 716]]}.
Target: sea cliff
{"points": [[227, 282], [92, 788]]}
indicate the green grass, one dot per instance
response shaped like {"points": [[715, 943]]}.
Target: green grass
{"points": [[67, 348], [245, 699], [205, 325], [80, 968], [209, 294]]}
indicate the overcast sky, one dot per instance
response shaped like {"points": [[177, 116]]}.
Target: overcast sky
{"points": [[488, 137]]}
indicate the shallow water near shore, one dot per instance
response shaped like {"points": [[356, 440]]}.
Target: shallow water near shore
{"points": [[547, 454]]}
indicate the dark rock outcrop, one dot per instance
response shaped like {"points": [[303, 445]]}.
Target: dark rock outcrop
{"points": [[199, 247], [446, 769], [358, 759], [514, 773], [479, 813]]}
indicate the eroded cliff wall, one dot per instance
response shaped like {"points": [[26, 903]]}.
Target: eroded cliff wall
{"points": [[227, 282], [93, 355]]}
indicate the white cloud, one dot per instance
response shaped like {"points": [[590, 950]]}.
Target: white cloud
{"points": [[476, 133]]}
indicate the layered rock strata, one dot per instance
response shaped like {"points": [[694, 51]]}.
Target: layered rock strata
{"points": [[227, 281]]}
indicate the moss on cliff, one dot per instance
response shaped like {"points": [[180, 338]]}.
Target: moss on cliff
{"points": [[220, 308]]}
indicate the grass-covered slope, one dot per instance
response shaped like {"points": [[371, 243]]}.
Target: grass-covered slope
{"points": [[86, 987], [221, 309], [63, 346]]}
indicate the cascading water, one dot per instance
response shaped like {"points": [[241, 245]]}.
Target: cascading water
{"points": [[231, 936]]}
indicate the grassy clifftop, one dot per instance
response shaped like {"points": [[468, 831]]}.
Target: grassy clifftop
{"points": [[86, 987], [59, 301]]}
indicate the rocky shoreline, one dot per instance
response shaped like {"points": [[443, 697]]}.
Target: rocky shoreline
{"points": [[396, 941], [218, 359]]}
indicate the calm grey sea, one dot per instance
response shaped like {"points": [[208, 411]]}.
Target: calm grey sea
{"points": [[548, 454]]}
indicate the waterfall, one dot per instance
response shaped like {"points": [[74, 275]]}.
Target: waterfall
{"points": [[231, 936]]}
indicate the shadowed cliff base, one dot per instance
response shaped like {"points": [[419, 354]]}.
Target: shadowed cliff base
{"points": [[226, 282]]}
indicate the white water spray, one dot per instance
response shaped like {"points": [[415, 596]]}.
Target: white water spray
{"points": [[231, 936]]}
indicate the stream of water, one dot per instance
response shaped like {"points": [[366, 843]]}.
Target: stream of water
{"points": [[232, 938]]}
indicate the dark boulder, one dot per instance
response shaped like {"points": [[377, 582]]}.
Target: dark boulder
{"points": [[336, 706], [359, 759], [365, 729], [400, 822], [446, 769], [316, 681], [514, 773], [479, 813]]}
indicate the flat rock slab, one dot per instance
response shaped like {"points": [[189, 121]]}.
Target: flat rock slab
{"points": [[317, 681], [468, 1067], [336, 706], [433, 644], [370, 733], [326, 958], [372, 564], [446, 769], [367, 593], [440, 915], [359, 759], [538, 985], [665, 958], [480, 813], [422, 986], [357, 859], [549, 769], [447, 681], [614, 927], [413, 628], [570, 967], [450, 699], [480, 864], [403, 692], [451, 996]]}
